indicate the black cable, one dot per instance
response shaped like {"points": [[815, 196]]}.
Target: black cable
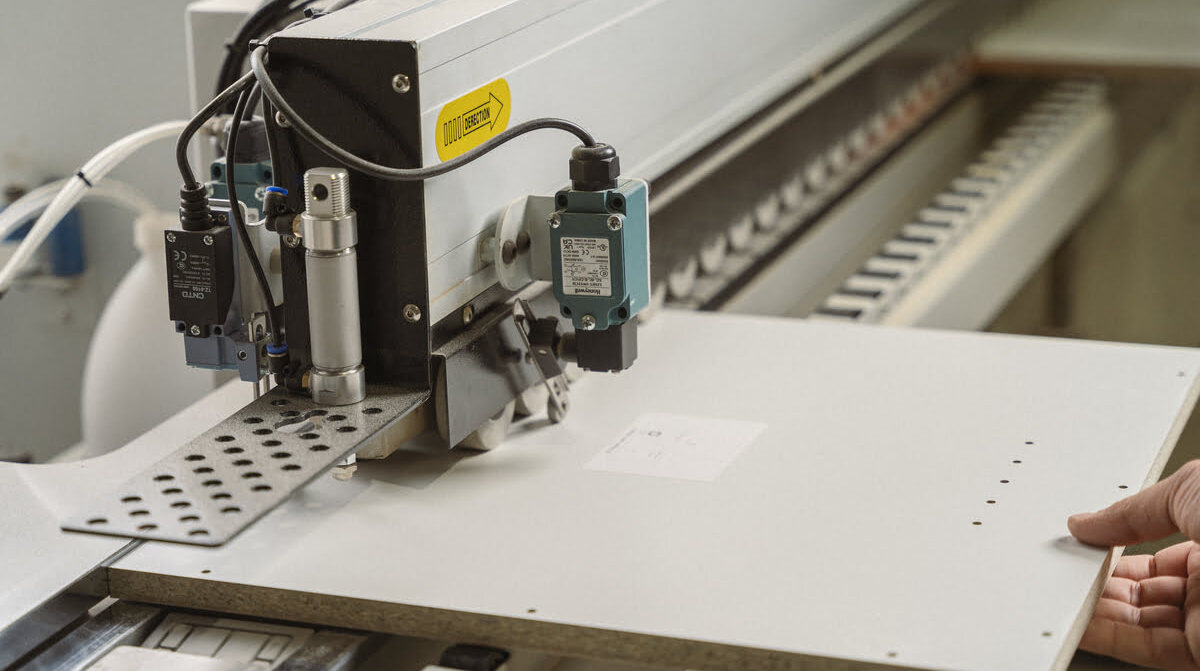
{"points": [[268, 16], [239, 222], [258, 67], [202, 117]]}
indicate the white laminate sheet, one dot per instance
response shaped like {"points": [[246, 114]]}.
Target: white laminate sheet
{"points": [[905, 506]]}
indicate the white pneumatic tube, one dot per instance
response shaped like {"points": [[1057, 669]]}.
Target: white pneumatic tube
{"points": [[91, 172]]}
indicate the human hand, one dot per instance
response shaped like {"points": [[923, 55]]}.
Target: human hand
{"points": [[1149, 612]]}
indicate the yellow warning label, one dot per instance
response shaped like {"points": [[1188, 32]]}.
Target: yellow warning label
{"points": [[469, 121]]}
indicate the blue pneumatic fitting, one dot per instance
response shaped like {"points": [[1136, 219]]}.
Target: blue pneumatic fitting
{"points": [[277, 189], [276, 350]]}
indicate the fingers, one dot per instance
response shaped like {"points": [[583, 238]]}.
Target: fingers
{"points": [[1164, 591], [1146, 617], [1160, 510], [1161, 647], [1170, 561]]}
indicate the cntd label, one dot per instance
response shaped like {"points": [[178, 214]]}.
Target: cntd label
{"points": [[469, 121]]}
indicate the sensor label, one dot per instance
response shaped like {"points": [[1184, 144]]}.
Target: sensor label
{"points": [[678, 447], [469, 121], [586, 267]]}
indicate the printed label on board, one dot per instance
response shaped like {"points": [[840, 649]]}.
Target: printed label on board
{"points": [[469, 121], [677, 446], [586, 269]]}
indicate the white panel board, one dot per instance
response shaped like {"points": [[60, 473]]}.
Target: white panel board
{"points": [[859, 525]]}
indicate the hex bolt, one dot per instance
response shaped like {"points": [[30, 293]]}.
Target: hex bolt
{"points": [[281, 120], [195, 330], [615, 222], [555, 220], [508, 252], [208, 240], [401, 83], [468, 315], [412, 313], [588, 322], [170, 237]]}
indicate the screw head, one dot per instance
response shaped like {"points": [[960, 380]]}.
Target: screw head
{"points": [[588, 322], [291, 241], [412, 313], [208, 240], [241, 355], [508, 252], [195, 330], [281, 120], [401, 83], [555, 220], [615, 222], [170, 237], [468, 314]]}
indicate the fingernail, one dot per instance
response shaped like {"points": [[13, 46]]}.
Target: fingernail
{"points": [[1076, 518]]}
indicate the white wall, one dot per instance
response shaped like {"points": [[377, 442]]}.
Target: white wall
{"points": [[75, 75]]}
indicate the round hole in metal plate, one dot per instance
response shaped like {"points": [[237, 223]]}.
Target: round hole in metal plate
{"points": [[203, 469], [336, 418], [198, 532], [281, 455], [225, 439], [98, 520], [172, 491], [272, 443], [164, 478], [1122, 486], [253, 420], [181, 504], [131, 499], [1004, 482], [261, 488], [291, 467], [194, 457], [189, 518], [280, 401], [991, 501], [319, 448], [140, 512], [347, 429], [231, 509], [262, 432], [372, 411], [310, 436], [234, 450], [212, 483], [290, 413], [221, 496], [243, 462], [251, 475], [148, 527], [319, 412]]}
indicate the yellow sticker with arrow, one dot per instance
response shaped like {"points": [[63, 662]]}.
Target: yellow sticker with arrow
{"points": [[471, 120]]}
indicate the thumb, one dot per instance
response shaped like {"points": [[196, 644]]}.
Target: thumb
{"points": [[1158, 511]]}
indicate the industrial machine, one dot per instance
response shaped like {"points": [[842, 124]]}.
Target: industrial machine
{"points": [[423, 222]]}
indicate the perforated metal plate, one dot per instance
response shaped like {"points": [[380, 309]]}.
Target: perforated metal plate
{"points": [[214, 486]]}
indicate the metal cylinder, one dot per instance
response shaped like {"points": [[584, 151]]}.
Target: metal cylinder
{"points": [[329, 231], [333, 320]]}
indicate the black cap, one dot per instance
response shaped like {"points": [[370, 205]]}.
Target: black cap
{"points": [[594, 168]]}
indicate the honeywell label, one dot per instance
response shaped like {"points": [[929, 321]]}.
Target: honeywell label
{"points": [[677, 446], [586, 267]]}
